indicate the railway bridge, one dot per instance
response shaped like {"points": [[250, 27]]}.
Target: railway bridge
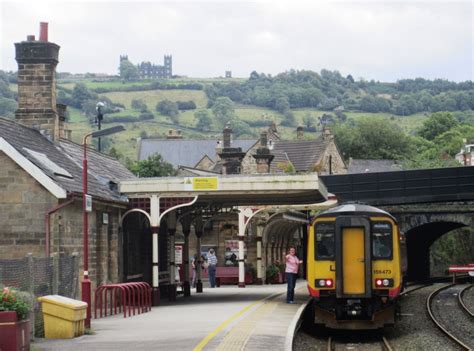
{"points": [[427, 203]]}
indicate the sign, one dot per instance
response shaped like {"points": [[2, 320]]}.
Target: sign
{"points": [[105, 218], [88, 203], [178, 254], [201, 183], [461, 269]]}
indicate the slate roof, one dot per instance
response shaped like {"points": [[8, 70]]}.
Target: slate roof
{"points": [[303, 154], [371, 166], [180, 152], [68, 156]]}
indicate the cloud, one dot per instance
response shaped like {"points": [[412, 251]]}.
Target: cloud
{"points": [[377, 40]]}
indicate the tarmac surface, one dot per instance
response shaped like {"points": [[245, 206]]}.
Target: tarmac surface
{"points": [[226, 318]]}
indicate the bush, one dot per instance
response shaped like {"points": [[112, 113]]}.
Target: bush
{"points": [[167, 108], [186, 105], [146, 116]]}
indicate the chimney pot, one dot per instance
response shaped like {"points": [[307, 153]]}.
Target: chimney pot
{"points": [[43, 31]]}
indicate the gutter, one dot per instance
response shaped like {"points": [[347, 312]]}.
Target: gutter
{"points": [[47, 218]]}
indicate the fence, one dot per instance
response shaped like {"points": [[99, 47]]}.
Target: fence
{"points": [[57, 275]]}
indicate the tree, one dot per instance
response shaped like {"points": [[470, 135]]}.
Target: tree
{"points": [[223, 110], [128, 71], [282, 104], [204, 121], [167, 108], [154, 166], [437, 124], [139, 105], [372, 138], [80, 94]]}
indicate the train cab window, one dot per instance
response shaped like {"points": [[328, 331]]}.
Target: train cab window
{"points": [[324, 241], [382, 246]]}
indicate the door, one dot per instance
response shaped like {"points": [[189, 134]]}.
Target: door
{"points": [[353, 261]]}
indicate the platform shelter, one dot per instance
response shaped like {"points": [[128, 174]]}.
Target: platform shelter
{"points": [[275, 206]]}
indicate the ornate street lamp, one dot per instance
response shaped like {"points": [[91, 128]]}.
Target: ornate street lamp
{"points": [[86, 208], [99, 118]]}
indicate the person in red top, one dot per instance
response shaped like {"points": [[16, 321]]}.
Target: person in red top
{"points": [[291, 272]]}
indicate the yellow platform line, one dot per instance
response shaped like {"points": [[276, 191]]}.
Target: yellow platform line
{"points": [[224, 324]]}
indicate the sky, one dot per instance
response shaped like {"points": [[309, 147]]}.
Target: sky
{"points": [[381, 40]]}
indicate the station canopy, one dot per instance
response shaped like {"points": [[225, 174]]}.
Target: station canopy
{"points": [[233, 190]]}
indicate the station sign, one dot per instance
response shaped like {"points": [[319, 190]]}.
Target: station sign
{"points": [[201, 183]]}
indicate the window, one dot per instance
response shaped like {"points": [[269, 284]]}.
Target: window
{"points": [[324, 241], [382, 246]]}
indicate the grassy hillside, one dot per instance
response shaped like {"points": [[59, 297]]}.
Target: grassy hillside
{"points": [[126, 142]]}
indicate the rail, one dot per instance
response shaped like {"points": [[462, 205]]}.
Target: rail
{"points": [[461, 301], [117, 297], [435, 320]]}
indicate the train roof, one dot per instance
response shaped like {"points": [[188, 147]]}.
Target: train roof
{"points": [[353, 208]]}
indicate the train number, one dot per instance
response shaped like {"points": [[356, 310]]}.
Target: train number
{"points": [[382, 271]]}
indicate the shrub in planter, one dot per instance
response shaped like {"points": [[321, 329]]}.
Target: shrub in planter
{"points": [[14, 325], [272, 273]]}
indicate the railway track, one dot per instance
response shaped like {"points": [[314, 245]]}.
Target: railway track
{"points": [[448, 315], [462, 303], [335, 344]]}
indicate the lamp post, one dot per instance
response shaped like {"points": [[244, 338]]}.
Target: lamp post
{"points": [[99, 118], [86, 208]]}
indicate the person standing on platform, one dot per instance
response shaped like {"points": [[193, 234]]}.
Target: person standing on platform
{"points": [[291, 272], [211, 268]]}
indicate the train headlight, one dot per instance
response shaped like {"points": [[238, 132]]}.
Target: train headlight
{"points": [[383, 282], [324, 283]]}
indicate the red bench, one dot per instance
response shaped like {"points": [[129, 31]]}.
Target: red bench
{"points": [[227, 275]]}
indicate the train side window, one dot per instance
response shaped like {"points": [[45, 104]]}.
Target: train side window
{"points": [[382, 243], [324, 241]]}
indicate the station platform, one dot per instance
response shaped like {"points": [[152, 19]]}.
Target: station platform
{"points": [[225, 318]]}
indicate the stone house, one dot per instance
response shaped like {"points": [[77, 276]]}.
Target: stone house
{"points": [[41, 176]]}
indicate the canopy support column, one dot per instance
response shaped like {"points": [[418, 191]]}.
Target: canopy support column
{"points": [[241, 249], [198, 229], [155, 228], [259, 255], [171, 233], [186, 225]]}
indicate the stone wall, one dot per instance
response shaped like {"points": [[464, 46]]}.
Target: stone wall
{"points": [[338, 165], [23, 204]]}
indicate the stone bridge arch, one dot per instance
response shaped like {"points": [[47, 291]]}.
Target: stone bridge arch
{"points": [[422, 229]]}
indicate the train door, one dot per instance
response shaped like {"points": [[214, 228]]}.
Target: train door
{"points": [[353, 264], [353, 261]]}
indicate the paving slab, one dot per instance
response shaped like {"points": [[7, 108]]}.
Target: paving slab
{"points": [[225, 318]]}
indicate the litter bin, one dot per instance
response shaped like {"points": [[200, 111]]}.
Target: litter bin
{"points": [[63, 317]]}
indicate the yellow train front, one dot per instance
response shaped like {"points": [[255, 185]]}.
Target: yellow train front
{"points": [[354, 267]]}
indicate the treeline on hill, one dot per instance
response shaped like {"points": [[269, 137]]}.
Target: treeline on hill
{"points": [[329, 89], [8, 104]]}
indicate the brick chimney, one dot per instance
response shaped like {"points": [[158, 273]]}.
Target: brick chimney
{"points": [[174, 134], [263, 157], [231, 156], [300, 133], [327, 135], [37, 62]]}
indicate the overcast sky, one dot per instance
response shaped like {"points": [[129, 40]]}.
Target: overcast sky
{"points": [[383, 40]]}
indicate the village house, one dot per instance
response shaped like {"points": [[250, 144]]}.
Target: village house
{"points": [[41, 177]]}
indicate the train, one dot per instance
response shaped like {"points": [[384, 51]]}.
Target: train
{"points": [[355, 267]]}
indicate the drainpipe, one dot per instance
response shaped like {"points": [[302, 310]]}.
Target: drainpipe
{"points": [[47, 217]]}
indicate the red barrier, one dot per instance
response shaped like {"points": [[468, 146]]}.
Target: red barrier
{"points": [[132, 295]]}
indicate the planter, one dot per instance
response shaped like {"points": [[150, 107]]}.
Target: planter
{"points": [[14, 334]]}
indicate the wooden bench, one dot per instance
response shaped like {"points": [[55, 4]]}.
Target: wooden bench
{"points": [[227, 275]]}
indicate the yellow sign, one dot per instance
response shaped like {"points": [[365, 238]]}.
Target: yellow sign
{"points": [[208, 183]]}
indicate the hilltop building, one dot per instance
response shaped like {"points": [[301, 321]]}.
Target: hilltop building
{"points": [[148, 70]]}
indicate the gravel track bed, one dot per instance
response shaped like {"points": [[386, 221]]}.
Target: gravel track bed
{"points": [[468, 298], [415, 330], [450, 315]]}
